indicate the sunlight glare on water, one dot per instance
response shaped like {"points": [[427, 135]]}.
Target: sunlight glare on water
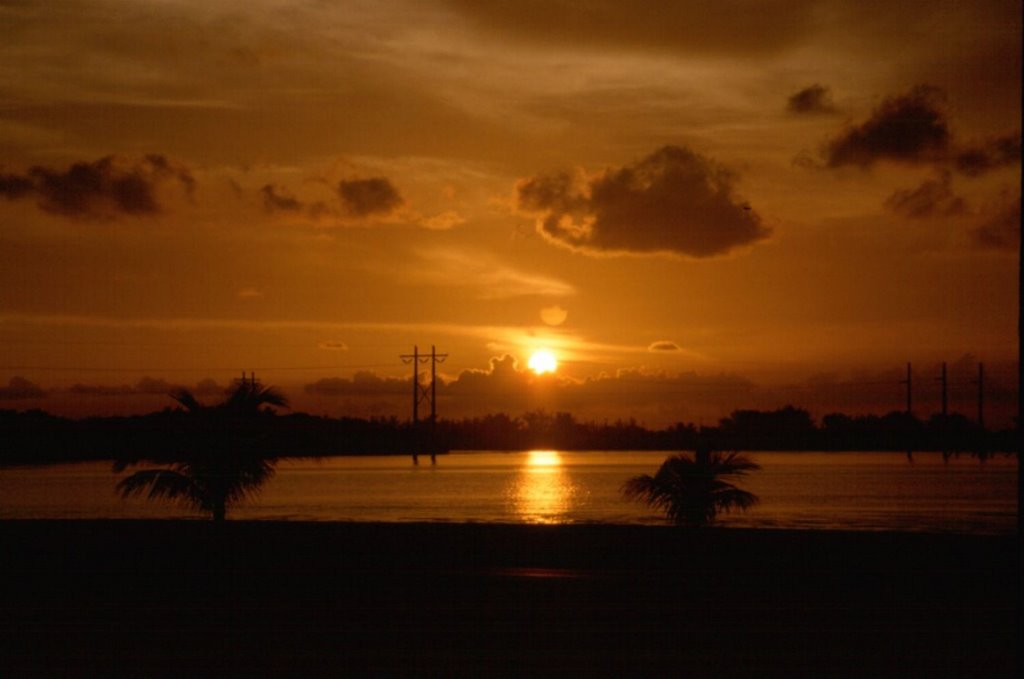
{"points": [[542, 492]]}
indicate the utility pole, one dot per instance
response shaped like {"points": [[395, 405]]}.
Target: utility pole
{"points": [[982, 443], [945, 400], [981, 395], [909, 385], [945, 415], [910, 411], [423, 393], [248, 383]]}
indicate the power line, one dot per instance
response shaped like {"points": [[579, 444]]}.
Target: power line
{"points": [[233, 369]]}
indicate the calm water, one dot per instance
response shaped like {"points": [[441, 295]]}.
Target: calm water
{"points": [[856, 491]]}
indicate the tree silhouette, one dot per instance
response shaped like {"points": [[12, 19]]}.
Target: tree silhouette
{"points": [[222, 460], [691, 491]]}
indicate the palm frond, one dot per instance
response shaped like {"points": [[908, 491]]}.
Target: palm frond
{"points": [[187, 399], [225, 458], [691, 491], [272, 396], [249, 398], [160, 483]]}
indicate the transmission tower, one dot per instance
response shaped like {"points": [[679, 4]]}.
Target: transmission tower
{"points": [[421, 393]]}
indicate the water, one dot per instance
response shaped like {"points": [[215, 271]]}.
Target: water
{"points": [[850, 491]]}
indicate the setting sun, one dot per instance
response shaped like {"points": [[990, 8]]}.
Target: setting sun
{"points": [[543, 361]]}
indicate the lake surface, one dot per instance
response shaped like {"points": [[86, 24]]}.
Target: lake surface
{"points": [[847, 491]]}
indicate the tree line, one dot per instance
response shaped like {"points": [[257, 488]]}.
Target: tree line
{"points": [[37, 437]]}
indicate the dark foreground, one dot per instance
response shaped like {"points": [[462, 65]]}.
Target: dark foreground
{"points": [[196, 599]]}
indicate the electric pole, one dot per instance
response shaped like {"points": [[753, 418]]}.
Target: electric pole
{"points": [[909, 385], [944, 423], [945, 400], [910, 411], [981, 396], [423, 393]]}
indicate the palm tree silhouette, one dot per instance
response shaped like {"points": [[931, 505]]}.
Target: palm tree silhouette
{"points": [[691, 491], [223, 461]]}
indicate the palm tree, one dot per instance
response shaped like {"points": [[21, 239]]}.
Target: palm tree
{"points": [[223, 462], [691, 491]]}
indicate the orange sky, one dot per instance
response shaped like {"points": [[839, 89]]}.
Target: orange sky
{"points": [[696, 206]]}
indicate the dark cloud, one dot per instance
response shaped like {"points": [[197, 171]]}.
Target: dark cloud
{"points": [[106, 187], [166, 168], [910, 128], [100, 389], [359, 199], [13, 186], [664, 345], [506, 388], [366, 197], [280, 199], [19, 388], [1001, 229], [208, 387], [363, 383], [277, 199], [996, 153], [814, 99], [503, 382], [152, 385], [933, 198], [145, 386], [742, 27], [672, 201]]}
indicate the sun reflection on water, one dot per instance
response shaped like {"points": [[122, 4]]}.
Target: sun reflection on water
{"points": [[543, 458], [542, 491]]}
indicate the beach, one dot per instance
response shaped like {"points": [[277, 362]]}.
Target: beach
{"points": [[145, 598]]}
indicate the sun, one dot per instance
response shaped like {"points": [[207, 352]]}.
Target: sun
{"points": [[543, 361]]}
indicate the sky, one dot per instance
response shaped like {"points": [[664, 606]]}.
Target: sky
{"points": [[696, 207]]}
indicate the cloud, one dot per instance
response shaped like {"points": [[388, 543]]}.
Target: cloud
{"points": [[504, 387], [146, 385], [357, 199], [19, 388], [912, 128], [208, 387], [14, 186], [108, 187], [443, 221], [152, 385], [503, 384], [909, 128], [673, 201], [278, 199], [995, 153], [814, 99], [663, 345], [933, 198], [1001, 230], [362, 383], [368, 197]]}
